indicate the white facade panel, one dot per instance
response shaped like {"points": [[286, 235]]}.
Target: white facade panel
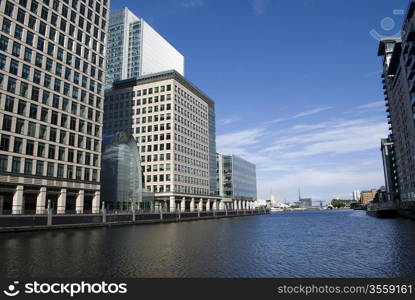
{"points": [[157, 54]]}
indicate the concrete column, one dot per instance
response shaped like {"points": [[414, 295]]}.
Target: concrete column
{"points": [[234, 204], [215, 204], [192, 205], [183, 204], [208, 205], [18, 204], [61, 202], [95, 202], [172, 204], [201, 204], [41, 201], [221, 205], [1, 204], [80, 202]]}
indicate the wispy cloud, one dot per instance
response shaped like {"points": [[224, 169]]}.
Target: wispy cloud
{"points": [[193, 3], [336, 137], [300, 115], [229, 121], [377, 104], [238, 142], [311, 112], [260, 6], [327, 159]]}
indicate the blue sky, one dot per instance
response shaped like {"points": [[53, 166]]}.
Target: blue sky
{"points": [[296, 84]]}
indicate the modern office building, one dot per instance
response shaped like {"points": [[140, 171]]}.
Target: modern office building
{"points": [[52, 63], [399, 85], [172, 123], [121, 175], [236, 179], [136, 49], [389, 170], [356, 195]]}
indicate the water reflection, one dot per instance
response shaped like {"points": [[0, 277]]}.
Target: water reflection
{"points": [[297, 244]]}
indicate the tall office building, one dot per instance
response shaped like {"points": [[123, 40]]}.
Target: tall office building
{"points": [[52, 60], [399, 84], [172, 122], [136, 49], [236, 179]]}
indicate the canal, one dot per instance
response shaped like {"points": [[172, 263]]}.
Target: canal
{"points": [[292, 244]]}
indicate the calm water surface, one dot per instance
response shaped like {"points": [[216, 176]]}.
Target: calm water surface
{"points": [[292, 244]]}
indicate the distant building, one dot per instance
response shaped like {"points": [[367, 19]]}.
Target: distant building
{"points": [[356, 195], [122, 178], [368, 196], [389, 170], [136, 49], [305, 202], [236, 181]]}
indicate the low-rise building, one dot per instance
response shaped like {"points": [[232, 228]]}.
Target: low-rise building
{"points": [[368, 196], [236, 181]]}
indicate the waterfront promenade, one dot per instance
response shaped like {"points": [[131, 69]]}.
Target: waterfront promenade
{"points": [[49, 221]]}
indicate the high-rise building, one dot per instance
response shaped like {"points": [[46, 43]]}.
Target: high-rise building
{"points": [[399, 85], [236, 179], [389, 170], [136, 49], [356, 195], [172, 122], [52, 60]]}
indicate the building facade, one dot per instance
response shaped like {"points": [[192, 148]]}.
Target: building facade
{"points": [[236, 179], [136, 49], [52, 63], [368, 196], [171, 120], [399, 85], [389, 170]]}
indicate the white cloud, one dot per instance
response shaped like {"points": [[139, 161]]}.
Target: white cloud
{"points": [[229, 121], [299, 115], [193, 3], [336, 137], [238, 142], [322, 184], [311, 112], [376, 104]]}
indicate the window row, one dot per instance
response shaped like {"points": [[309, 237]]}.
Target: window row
{"points": [[50, 134], [50, 169], [38, 149], [43, 114]]}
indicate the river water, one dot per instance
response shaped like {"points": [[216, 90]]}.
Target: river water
{"points": [[292, 244]]}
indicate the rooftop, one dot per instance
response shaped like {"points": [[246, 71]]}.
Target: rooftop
{"points": [[171, 74]]}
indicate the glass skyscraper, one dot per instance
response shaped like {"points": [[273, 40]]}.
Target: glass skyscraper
{"points": [[136, 49]]}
